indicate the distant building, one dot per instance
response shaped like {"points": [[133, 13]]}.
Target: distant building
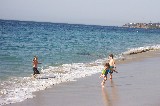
{"points": [[143, 25]]}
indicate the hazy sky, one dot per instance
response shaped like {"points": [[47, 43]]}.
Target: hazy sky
{"points": [[98, 12]]}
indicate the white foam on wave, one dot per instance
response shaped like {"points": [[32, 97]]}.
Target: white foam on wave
{"points": [[19, 89], [141, 49]]}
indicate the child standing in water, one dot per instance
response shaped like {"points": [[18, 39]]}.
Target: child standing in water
{"points": [[104, 73], [112, 65], [35, 65]]}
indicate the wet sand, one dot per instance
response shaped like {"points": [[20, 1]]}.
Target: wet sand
{"points": [[136, 84]]}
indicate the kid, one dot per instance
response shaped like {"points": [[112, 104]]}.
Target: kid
{"points": [[112, 65], [35, 64], [104, 73]]}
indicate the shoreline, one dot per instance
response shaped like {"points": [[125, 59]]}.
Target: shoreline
{"points": [[85, 90], [139, 56]]}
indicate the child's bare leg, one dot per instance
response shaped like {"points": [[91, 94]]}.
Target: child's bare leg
{"points": [[110, 76], [35, 75], [101, 76], [105, 78], [103, 82]]}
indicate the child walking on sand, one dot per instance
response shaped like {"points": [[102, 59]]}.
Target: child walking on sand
{"points": [[104, 73], [112, 65]]}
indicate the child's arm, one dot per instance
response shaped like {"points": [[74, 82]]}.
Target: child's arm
{"points": [[38, 62], [114, 63], [115, 67]]}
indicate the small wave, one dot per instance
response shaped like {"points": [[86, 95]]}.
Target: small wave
{"points": [[141, 50], [19, 89], [84, 53]]}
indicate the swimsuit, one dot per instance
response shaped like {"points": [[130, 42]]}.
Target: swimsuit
{"points": [[35, 71], [111, 68], [105, 72]]}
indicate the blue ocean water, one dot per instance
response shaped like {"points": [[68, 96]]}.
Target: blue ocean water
{"points": [[57, 44]]}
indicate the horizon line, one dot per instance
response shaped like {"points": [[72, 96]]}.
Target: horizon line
{"points": [[58, 22]]}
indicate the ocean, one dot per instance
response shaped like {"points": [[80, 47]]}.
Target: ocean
{"points": [[66, 51]]}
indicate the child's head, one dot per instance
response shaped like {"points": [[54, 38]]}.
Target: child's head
{"points": [[111, 55], [107, 65], [35, 58]]}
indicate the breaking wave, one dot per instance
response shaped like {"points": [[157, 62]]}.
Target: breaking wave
{"points": [[17, 89]]}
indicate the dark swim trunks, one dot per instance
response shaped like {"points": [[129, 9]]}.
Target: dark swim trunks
{"points": [[111, 72], [35, 71], [107, 71]]}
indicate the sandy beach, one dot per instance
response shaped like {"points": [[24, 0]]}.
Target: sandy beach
{"points": [[136, 84]]}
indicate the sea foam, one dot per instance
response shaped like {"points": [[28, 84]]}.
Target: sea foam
{"points": [[141, 50], [19, 89]]}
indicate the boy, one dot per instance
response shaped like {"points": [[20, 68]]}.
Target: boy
{"points": [[112, 65], [104, 73], [35, 65]]}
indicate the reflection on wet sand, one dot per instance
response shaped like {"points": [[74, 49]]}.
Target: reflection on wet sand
{"points": [[110, 98]]}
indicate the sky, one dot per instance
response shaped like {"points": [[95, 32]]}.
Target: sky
{"points": [[90, 12]]}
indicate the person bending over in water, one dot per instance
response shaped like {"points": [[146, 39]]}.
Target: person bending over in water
{"points": [[104, 73], [35, 65], [112, 65]]}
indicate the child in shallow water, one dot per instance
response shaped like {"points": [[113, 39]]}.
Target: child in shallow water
{"points": [[104, 73], [112, 65], [35, 66]]}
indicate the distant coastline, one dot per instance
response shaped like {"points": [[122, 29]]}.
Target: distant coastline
{"points": [[143, 25]]}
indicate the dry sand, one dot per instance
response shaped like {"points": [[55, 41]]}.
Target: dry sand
{"points": [[136, 84]]}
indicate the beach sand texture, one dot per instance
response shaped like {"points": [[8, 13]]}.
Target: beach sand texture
{"points": [[136, 84]]}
